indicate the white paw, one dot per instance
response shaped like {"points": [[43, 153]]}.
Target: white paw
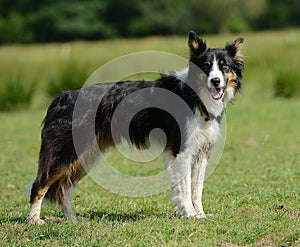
{"points": [[194, 215], [187, 213], [202, 216], [198, 207]]}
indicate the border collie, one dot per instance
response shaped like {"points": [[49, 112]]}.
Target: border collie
{"points": [[207, 85]]}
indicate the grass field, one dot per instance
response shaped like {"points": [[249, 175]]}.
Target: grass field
{"points": [[254, 193]]}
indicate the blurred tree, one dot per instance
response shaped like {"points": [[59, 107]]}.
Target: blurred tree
{"points": [[63, 20], [279, 14], [67, 20], [295, 12], [14, 29], [177, 16], [160, 17], [120, 14]]}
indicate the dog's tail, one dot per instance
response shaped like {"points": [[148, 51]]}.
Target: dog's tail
{"points": [[29, 187]]}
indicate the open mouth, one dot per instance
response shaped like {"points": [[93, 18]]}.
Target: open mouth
{"points": [[217, 93]]}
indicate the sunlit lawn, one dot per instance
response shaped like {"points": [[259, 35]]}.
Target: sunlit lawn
{"points": [[254, 192]]}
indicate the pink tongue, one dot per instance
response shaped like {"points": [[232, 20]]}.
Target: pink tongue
{"points": [[216, 93]]}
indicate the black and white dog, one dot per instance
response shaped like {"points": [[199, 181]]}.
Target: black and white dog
{"points": [[207, 85]]}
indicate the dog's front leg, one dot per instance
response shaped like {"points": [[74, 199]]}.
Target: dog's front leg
{"points": [[198, 175], [179, 170]]}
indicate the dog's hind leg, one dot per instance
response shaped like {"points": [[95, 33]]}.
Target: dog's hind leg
{"points": [[38, 192], [68, 184], [66, 203], [39, 189]]}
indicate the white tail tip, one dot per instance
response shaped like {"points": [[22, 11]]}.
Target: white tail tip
{"points": [[29, 187]]}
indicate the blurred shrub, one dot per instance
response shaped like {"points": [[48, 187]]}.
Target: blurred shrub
{"points": [[70, 76], [64, 20], [14, 29], [70, 20], [16, 94], [287, 83], [178, 17]]}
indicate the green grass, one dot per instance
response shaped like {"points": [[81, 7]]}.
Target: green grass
{"points": [[287, 83], [254, 193]]}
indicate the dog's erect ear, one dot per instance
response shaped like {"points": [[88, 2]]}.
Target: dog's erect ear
{"points": [[197, 45], [235, 51], [235, 48]]}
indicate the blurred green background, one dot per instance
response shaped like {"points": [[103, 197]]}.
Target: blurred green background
{"points": [[48, 46], [51, 45], [26, 21]]}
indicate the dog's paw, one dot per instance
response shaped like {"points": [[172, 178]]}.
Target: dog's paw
{"points": [[200, 216], [80, 218], [36, 221], [203, 216], [53, 219], [187, 214]]}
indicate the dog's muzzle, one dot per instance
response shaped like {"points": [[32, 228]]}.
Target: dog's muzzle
{"points": [[216, 91]]}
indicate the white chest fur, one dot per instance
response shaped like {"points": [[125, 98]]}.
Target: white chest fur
{"points": [[200, 132]]}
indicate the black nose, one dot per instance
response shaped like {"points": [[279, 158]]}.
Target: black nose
{"points": [[215, 81]]}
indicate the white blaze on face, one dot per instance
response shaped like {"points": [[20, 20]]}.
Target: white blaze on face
{"points": [[215, 73], [216, 89]]}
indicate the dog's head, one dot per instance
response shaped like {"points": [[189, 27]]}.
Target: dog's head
{"points": [[222, 67]]}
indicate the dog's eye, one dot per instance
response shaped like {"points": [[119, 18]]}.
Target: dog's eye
{"points": [[206, 66], [225, 67]]}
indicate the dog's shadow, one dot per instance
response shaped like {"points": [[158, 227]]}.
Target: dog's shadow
{"points": [[97, 216], [117, 217]]}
